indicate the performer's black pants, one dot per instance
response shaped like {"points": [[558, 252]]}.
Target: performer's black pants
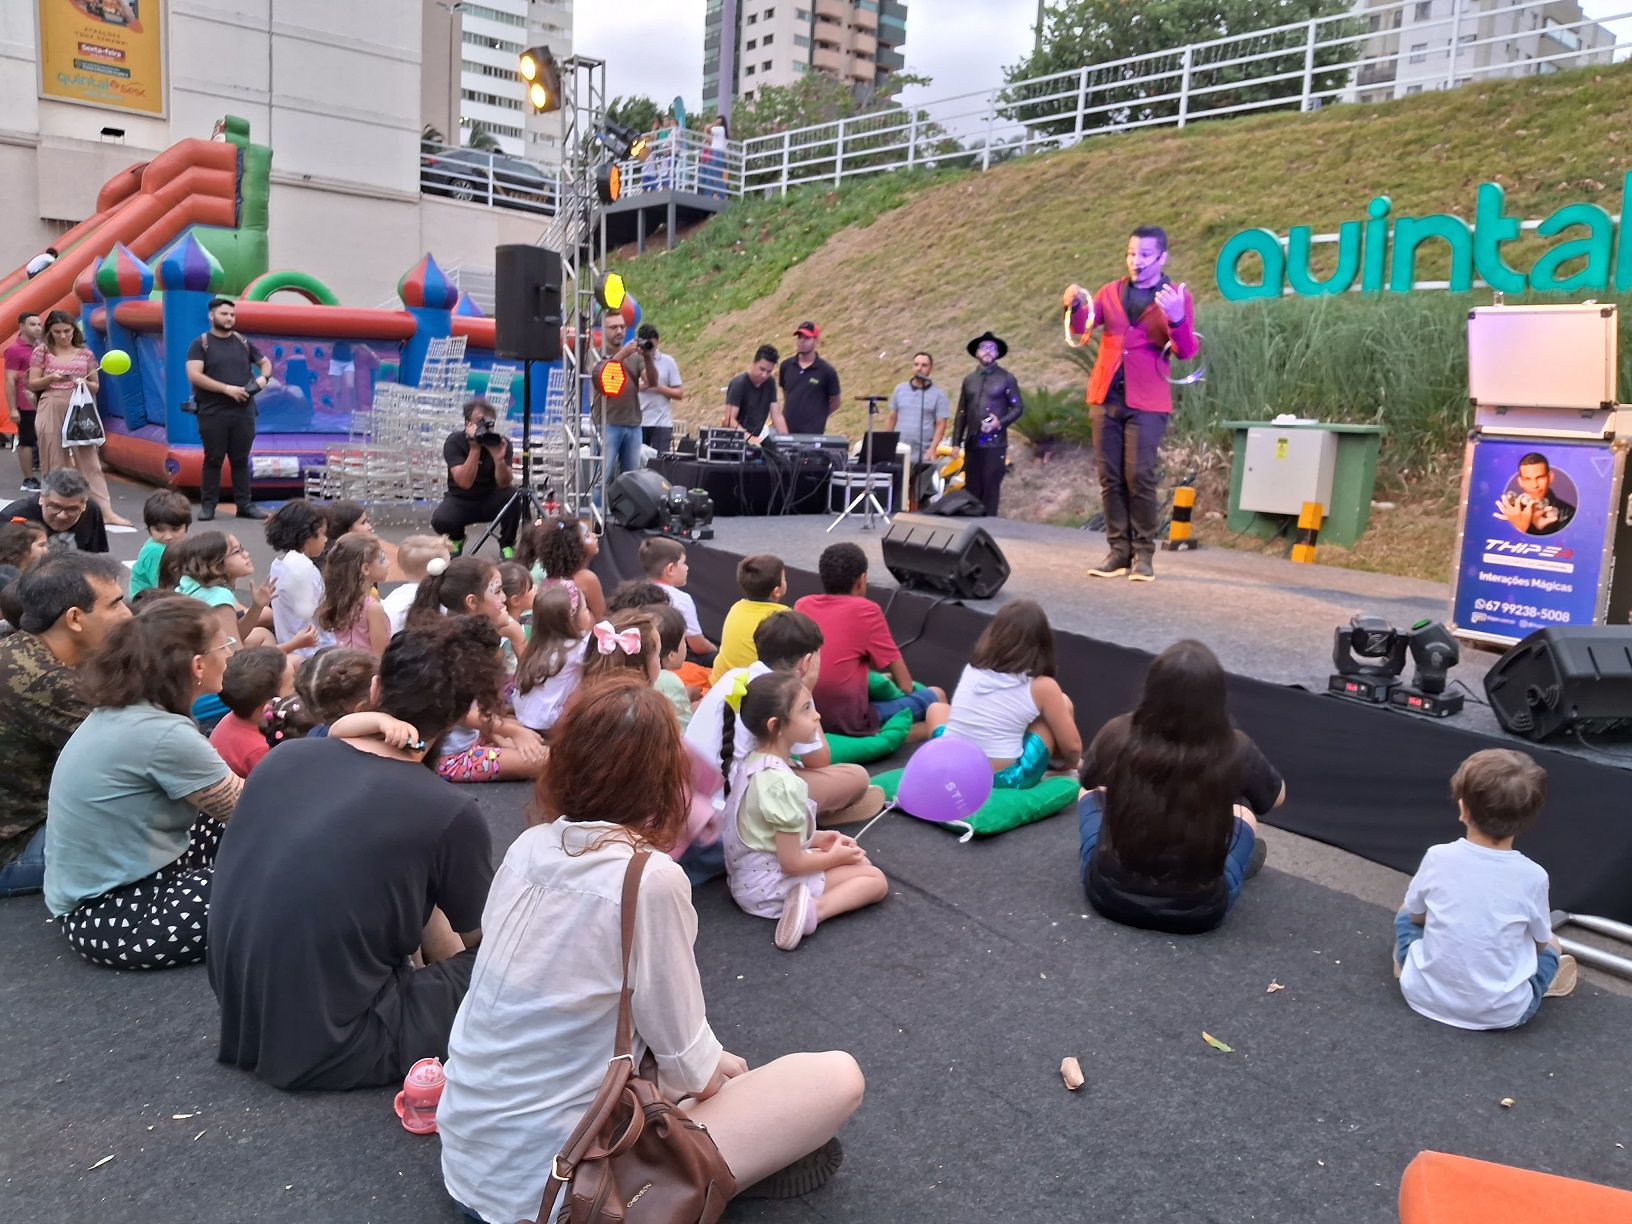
{"points": [[456, 512], [1125, 444], [983, 475], [226, 433]]}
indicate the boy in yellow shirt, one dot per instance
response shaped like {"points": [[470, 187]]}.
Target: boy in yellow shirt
{"points": [[763, 581]]}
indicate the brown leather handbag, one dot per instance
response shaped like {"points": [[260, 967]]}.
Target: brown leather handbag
{"points": [[635, 1158]]}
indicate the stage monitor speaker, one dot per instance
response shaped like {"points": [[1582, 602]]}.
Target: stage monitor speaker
{"points": [[955, 557], [527, 302], [1572, 678], [640, 500]]}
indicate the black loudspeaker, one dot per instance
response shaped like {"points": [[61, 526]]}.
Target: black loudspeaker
{"points": [[955, 557], [1566, 679], [527, 302], [640, 500]]}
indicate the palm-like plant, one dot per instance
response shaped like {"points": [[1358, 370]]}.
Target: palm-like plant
{"points": [[482, 138]]}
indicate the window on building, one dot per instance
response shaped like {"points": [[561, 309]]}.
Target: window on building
{"points": [[1425, 10], [766, 41], [1467, 38], [750, 44], [769, 13], [752, 18], [488, 14], [1399, 17], [800, 66], [1413, 89], [799, 40], [1419, 53], [766, 66], [1374, 23], [748, 71], [801, 14]]}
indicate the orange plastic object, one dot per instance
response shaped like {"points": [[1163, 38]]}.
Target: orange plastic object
{"points": [[1439, 1188]]}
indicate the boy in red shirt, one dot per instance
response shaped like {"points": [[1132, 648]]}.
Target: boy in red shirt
{"points": [[254, 677], [856, 640]]}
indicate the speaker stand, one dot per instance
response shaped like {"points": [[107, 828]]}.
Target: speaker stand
{"points": [[867, 495], [525, 499]]}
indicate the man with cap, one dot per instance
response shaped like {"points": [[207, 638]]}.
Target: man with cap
{"points": [[226, 371], [987, 405], [810, 387]]}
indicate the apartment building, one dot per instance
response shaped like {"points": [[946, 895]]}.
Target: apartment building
{"points": [[478, 45], [1439, 44], [749, 44]]}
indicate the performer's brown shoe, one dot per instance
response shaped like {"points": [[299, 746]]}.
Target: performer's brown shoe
{"points": [[1112, 567]]}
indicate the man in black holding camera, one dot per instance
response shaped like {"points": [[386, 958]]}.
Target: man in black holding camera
{"points": [[226, 372], [479, 480]]}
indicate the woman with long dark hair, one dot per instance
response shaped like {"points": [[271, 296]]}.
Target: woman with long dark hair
{"points": [[352, 879], [532, 1039], [59, 364], [138, 793], [1169, 826]]}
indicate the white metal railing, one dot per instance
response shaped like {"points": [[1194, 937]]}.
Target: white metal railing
{"points": [[1300, 66], [488, 177], [683, 160]]}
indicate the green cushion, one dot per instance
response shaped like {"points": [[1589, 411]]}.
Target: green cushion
{"points": [[881, 688], [1006, 809], [864, 749]]}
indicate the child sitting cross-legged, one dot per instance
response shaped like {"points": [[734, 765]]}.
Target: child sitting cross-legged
{"points": [[763, 581], [664, 560], [1474, 945], [627, 641], [779, 865], [167, 514], [254, 678], [553, 664]]}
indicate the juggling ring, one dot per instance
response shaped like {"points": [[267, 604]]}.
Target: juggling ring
{"points": [[1071, 339], [1199, 374]]}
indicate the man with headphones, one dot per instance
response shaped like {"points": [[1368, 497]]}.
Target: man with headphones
{"points": [[920, 411]]}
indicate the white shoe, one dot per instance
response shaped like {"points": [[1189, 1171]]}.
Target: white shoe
{"points": [[798, 918]]}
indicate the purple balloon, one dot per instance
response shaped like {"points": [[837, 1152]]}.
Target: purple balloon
{"points": [[947, 779]]}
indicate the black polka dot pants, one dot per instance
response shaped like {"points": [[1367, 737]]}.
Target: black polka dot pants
{"points": [[157, 922]]}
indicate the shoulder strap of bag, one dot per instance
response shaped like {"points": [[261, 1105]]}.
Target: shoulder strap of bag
{"points": [[583, 1140]]}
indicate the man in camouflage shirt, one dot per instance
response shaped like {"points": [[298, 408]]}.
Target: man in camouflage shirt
{"points": [[70, 603]]}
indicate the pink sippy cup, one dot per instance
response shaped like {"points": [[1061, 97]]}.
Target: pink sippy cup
{"points": [[421, 1090]]}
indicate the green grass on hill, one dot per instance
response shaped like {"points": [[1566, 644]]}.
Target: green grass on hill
{"points": [[893, 263]]}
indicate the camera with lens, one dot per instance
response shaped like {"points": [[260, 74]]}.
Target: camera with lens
{"points": [[486, 432], [647, 346]]}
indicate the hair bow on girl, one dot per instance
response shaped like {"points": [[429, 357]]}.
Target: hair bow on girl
{"points": [[575, 597], [608, 639], [737, 691]]}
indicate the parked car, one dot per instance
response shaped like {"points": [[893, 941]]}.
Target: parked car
{"points": [[483, 177]]}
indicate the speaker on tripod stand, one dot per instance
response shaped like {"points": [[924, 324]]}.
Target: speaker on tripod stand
{"points": [[526, 327]]}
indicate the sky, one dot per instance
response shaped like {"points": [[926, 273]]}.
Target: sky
{"points": [[655, 47]]}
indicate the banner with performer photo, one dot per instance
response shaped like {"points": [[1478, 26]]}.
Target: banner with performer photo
{"points": [[107, 53], [1535, 531]]}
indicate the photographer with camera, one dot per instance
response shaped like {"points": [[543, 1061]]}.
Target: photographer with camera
{"points": [[479, 480], [659, 396], [616, 412]]}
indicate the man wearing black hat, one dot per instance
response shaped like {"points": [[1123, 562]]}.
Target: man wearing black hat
{"points": [[810, 387], [226, 372], [988, 404]]}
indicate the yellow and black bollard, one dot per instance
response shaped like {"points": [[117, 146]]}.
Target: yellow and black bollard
{"points": [[1178, 531], [1303, 546]]}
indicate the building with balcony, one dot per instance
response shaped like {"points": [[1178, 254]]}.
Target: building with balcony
{"points": [[1425, 45], [749, 44], [478, 45]]}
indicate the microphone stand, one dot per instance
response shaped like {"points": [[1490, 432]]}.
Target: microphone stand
{"points": [[867, 494]]}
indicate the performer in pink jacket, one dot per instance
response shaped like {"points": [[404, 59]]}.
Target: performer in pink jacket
{"points": [[1129, 396]]}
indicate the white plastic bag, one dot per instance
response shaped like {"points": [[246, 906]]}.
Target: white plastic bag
{"points": [[82, 426]]}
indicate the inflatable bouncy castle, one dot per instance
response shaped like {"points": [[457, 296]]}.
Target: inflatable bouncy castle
{"points": [[171, 233]]}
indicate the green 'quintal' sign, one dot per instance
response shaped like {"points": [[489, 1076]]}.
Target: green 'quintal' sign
{"points": [[1364, 250]]}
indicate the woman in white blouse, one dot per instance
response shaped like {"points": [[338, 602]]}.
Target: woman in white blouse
{"points": [[531, 1042]]}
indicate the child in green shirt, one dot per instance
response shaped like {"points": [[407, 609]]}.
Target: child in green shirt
{"points": [[168, 514]]}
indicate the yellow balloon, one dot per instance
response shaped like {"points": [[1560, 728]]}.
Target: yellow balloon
{"points": [[115, 361]]}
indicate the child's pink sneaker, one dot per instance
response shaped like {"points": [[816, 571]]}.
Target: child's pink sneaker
{"points": [[798, 918], [421, 1090]]}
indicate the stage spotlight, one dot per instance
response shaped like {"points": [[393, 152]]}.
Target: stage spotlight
{"points": [[1435, 652], [609, 291], [1367, 638], [543, 79], [609, 184], [612, 379], [621, 140]]}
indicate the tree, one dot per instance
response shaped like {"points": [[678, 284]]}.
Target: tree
{"points": [[637, 111], [482, 138], [430, 139], [1091, 33]]}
